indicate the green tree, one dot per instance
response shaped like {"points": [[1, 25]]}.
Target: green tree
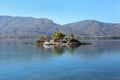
{"points": [[46, 37], [42, 38], [70, 36], [58, 36]]}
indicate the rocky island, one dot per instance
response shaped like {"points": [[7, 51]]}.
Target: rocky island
{"points": [[59, 38]]}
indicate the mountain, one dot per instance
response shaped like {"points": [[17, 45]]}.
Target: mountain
{"points": [[32, 27], [94, 28], [26, 26]]}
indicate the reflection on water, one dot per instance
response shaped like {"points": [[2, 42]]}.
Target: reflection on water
{"points": [[57, 49], [98, 61], [94, 50]]}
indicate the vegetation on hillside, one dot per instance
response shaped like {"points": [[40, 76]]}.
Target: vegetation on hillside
{"points": [[41, 39], [58, 36]]}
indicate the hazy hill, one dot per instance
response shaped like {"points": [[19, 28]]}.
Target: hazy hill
{"points": [[25, 26], [32, 27], [95, 28]]}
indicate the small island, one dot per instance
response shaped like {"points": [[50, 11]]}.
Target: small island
{"points": [[58, 38]]}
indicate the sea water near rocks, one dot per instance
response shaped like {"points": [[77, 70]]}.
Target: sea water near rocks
{"points": [[98, 61]]}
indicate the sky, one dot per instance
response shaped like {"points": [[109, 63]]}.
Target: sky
{"points": [[63, 11]]}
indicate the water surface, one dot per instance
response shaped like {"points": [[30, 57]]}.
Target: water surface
{"points": [[99, 61]]}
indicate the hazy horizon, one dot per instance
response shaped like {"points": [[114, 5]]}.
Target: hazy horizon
{"points": [[59, 23]]}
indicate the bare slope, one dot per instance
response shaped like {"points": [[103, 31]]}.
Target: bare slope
{"points": [[32, 27]]}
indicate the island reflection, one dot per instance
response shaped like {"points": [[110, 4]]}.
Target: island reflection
{"points": [[20, 52], [56, 50], [93, 51]]}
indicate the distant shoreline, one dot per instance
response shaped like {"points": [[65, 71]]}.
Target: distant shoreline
{"points": [[99, 37], [80, 38]]}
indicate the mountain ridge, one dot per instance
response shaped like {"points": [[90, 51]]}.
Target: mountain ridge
{"points": [[32, 27]]}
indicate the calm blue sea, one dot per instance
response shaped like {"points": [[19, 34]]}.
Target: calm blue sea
{"points": [[98, 61]]}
